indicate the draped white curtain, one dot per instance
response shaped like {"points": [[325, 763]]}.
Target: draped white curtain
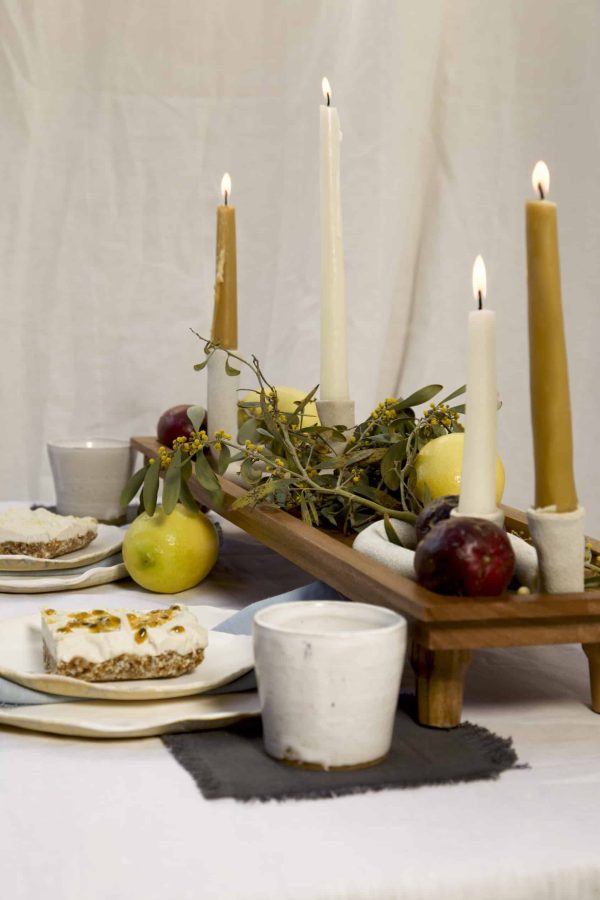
{"points": [[118, 119]]}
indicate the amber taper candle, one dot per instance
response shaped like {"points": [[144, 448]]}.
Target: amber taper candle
{"points": [[224, 328], [549, 377]]}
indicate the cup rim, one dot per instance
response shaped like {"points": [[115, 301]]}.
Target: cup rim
{"points": [[91, 443], [397, 621]]}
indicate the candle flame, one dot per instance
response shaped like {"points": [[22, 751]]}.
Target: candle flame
{"points": [[540, 179], [226, 187], [326, 88], [479, 280]]}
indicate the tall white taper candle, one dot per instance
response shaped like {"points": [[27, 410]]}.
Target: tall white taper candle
{"points": [[478, 480], [334, 353]]}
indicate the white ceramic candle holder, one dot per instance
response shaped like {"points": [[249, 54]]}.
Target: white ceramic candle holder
{"points": [[373, 542], [221, 397], [526, 562], [496, 517], [328, 679], [336, 412], [560, 542]]}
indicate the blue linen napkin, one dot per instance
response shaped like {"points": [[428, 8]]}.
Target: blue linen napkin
{"points": [[12, 694]]}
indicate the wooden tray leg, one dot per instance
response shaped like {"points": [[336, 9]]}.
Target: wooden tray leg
{"points": [[440, 683], [592, 651]]}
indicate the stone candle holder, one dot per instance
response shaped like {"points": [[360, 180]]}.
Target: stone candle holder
{"points": [[559, 540], [336, 412], [221, 396]]}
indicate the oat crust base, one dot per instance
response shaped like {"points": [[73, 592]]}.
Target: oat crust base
{"points": [[47, 549], [126, 667]]}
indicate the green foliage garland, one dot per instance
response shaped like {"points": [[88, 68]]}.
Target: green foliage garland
{"points": [[331, 477]]}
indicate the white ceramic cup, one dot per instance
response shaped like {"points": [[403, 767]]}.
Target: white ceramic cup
{"points": [[328, 679], [89, 476]]}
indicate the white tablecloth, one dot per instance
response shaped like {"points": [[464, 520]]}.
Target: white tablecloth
{"points": [[102, 820]]}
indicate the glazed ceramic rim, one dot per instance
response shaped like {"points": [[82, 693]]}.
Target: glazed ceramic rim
{"points": [[395, 622], [97, 443]]}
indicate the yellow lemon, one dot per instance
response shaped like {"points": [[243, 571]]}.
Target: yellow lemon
{"points": [[439, 465], [287, 397], [170, 553]]}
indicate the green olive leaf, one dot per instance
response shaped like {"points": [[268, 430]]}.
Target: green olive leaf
{"points": [[456, 393], [270, 487], [249, 432], [420, 396], [390, 531], [133, 486], [389, 470], [150, 489], [172, 483], [379, 496], [229, 368], [243, 501], [196, 415], [187, 498], [205, 474], [305, 512], [224, 459], [249, 473]]}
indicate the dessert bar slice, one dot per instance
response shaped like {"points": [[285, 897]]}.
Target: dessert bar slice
{"points": [[41, 533], [121, 645]]}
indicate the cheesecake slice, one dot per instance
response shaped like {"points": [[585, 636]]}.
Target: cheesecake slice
{"points": [[41, 533], [122, 645]]}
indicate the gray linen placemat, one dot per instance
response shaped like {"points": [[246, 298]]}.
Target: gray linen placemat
{"points": [[232, 762]]}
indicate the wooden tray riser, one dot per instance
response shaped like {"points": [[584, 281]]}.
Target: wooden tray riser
{"points": [[444, 630]]}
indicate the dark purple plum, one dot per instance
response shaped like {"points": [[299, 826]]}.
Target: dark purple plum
{"points": [[175, 423], [436, 511], [466, 557]]}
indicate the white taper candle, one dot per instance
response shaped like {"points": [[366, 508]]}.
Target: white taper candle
{"points": [[334, 353], [478, 480]]}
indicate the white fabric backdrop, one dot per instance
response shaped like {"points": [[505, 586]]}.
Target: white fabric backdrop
{"points": [[119, 118]]}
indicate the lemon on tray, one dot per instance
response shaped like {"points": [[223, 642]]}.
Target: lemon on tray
{"points": [[438, 466], [287, 398], [170, 553]]}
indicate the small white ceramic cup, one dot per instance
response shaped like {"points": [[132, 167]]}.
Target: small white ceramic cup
{"points": [[328, 679], [89, 476]]}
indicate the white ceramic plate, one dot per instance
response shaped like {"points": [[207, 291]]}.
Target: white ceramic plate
{"points": [[105, 719], [44, 582], [107, 541], [227, 657]]}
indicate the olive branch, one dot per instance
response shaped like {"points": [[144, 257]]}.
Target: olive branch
{"points": [[331, 477]]}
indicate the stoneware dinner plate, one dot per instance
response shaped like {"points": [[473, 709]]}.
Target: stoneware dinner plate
{"points": [[227, 657], [102, 572], [107, 542], [106, 719]]}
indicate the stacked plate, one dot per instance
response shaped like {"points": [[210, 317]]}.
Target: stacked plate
{"points": [[98, 563], [125, 709]]}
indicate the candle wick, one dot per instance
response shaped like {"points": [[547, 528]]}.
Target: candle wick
{"points": [[480, 299], [328, 99], [541, 190], [225, 192]]}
